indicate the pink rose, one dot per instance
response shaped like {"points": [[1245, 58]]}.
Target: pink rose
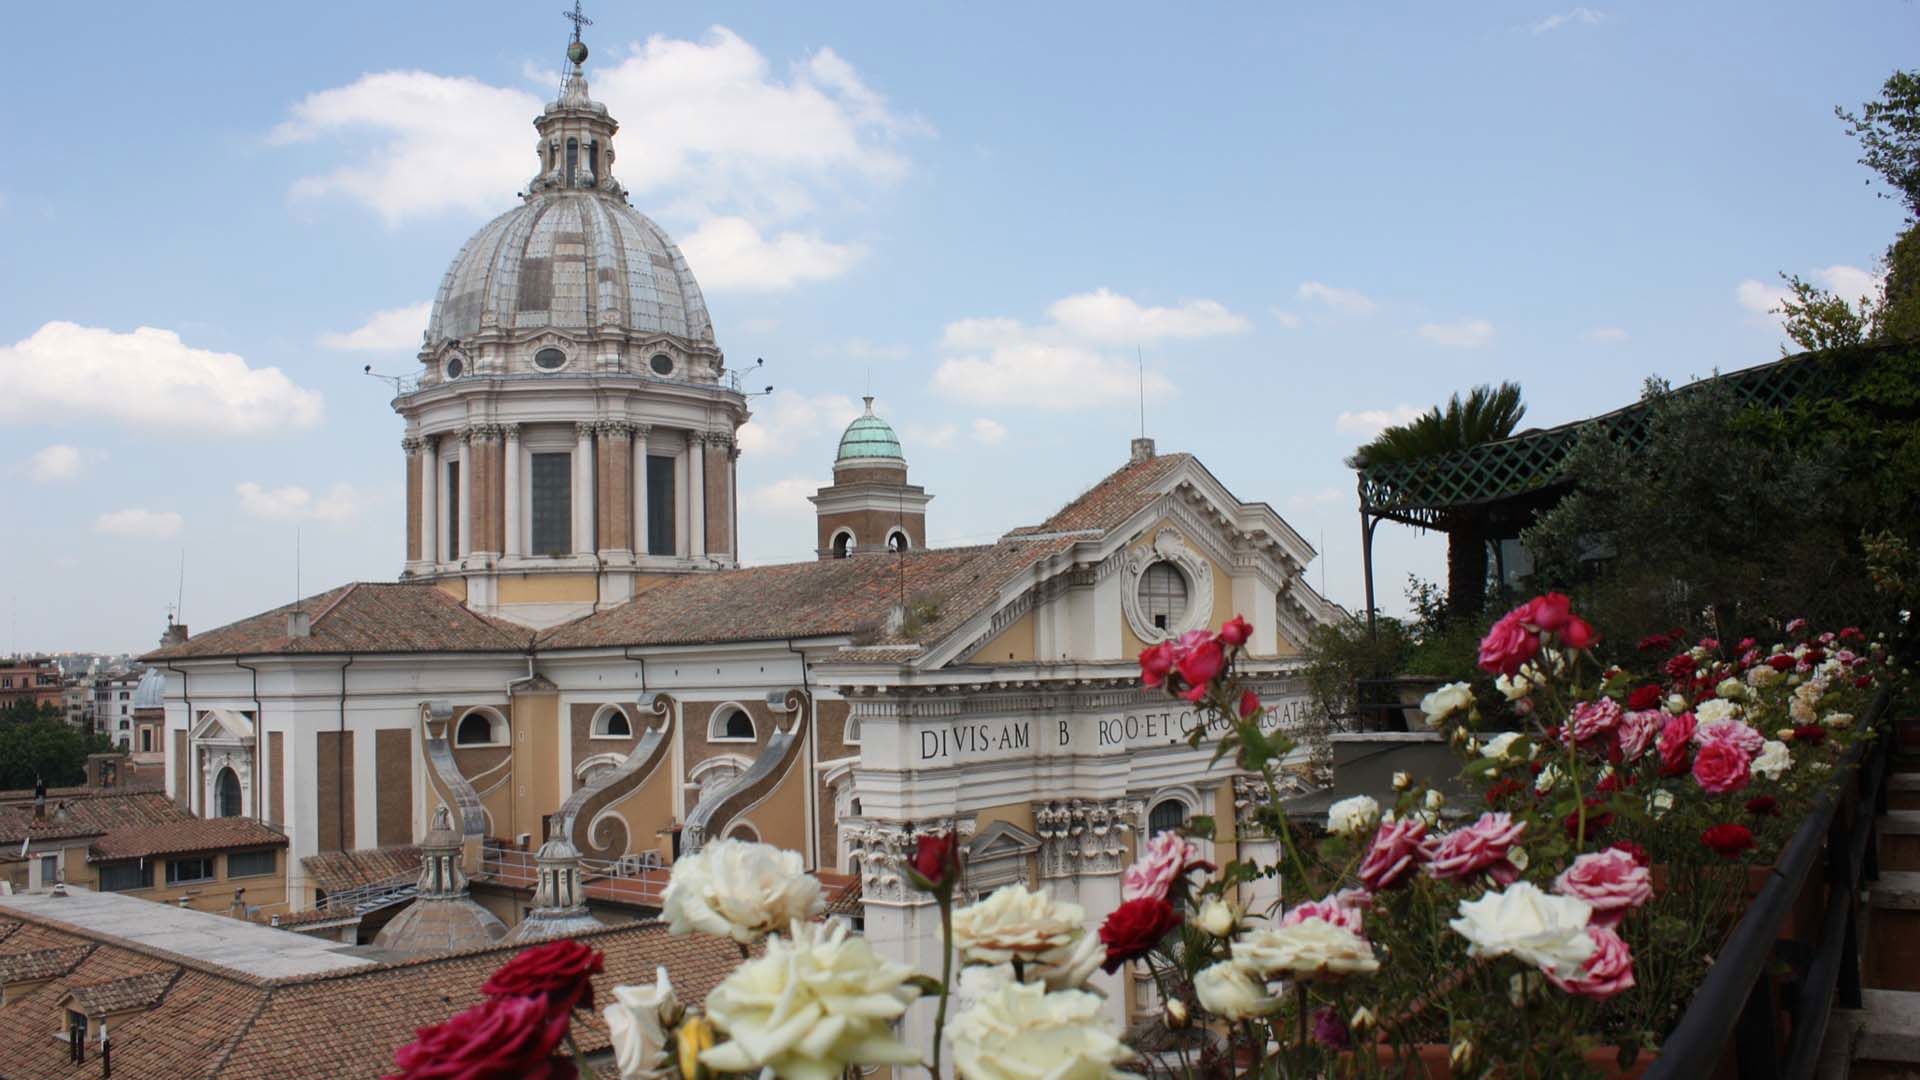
{"points": [[1721, 766], [1611, 881], [1579, 634], [1399, 848], [1548, 613], [1167, 857], [1606, 973], [1674, 740], [1637, 731], [1155, 662], [1235, 631], [1480, 846], [1200, 664], [1509, 644], [1738, 732], [1338, 910], [1591, 719]]}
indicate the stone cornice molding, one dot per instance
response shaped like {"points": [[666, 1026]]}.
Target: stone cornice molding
{"points": [[884, 847], [1085, 837], [412, 444]]}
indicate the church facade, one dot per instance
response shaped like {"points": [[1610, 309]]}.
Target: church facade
{"points": [[573, 652]]}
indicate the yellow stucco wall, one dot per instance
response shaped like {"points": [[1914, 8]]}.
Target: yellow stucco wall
{"points": [[454, 587], [781, 819], [647, 810], [546, 588], [1014, 644], [536, 748], [1020, 814]]}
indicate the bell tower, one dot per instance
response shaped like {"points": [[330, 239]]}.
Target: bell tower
{"points": [[870, 507]]}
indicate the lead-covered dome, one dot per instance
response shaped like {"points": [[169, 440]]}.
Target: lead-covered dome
{"points": [[869, 440], [572, 260]]}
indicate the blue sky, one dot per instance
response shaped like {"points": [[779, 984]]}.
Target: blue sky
{"points": [[1306, 218]]}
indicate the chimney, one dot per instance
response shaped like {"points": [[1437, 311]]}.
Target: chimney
{"points": [[176, 633], [1142, 450], [299, 624]]}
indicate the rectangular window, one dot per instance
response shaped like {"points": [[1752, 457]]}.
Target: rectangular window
{"points": [[552, 487], [121, 876], [184, 871], [453, 511], [251, 863], [49, 870], [660, 524]]}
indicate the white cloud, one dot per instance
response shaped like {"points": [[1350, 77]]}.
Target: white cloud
{"points": [[783, 498], [1105, 316], [392, 329], [728, 253], [1607, 333], [1760, 297], [148, 378], [709, 131], [1371, 422], [920, 436], [988, 432], [60, 462], [1345, 301], [1580, 16], [295, 503], [1287, 319], [784, 420], [1849, 283], [139, 522], [1035, 374], [1462, 334]]}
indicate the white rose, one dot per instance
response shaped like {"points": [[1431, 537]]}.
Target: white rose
{"points": [[1228, 992], [1549, 776], [1216, 917], [1014, 921], [638, 1022], [1547, 931], [1499, 745], [1731, 688], [1660, 802], [1019, 1031], [1676, 704], [1772, 761], [809, 1007], [1307, 948], [738, 889], [1763, 675], [1714, 710], [1839, 721], [1513, 687], [1353, 815], [1446, 701], [1401, 781]]}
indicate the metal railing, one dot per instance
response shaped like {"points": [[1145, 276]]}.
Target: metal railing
{"points": [[373, 896], [1739, 1002], [645, 869]]}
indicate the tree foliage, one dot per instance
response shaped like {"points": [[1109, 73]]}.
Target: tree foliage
{"points": [[45, 747], [1889, 134]]}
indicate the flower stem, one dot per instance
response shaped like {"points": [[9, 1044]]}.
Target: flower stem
{"points": [[946, 976], [580, 1059]]}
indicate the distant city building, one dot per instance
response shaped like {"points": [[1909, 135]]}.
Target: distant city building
{"points": [[113, 705], [36, 680]]}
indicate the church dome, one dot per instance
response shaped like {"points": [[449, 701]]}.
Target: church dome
{"points": [[571, 260], [869, 439], [151, 691]]}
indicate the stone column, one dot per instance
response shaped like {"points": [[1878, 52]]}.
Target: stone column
{"points": [[696, 495], [614, 458], [1083, 849], [465, 523], [430, 498], [511, 473], [640, 489], [902, 923], [583, 488], [482, 477], [411, 445]]}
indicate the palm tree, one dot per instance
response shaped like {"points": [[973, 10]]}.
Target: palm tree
{"points": [[1488, 414]]}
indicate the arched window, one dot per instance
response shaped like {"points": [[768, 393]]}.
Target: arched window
{"points": [[593, 158], [731, 724], [897, 541], [611, 723], [1163, 595], [573, 159], [479, 727], [743, 831], [1166, 814], [226, 794], [842, 543]]}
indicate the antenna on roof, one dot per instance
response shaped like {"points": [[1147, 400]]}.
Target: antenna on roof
{"points": [[296, 568], [180, 589], [1142, 357]]}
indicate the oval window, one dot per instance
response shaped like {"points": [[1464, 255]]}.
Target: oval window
{"points": [[662, 364], [1163, 595], [454, 367], [549, 359]]}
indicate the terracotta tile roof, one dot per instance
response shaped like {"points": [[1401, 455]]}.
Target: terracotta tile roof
{"points": [[1115, 498], [337, 871], [41, 963], [176, 837], [365, 617], [95, 816], [119, 995]]}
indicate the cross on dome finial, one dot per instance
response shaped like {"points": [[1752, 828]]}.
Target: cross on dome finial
{"points": [[577, 19]]}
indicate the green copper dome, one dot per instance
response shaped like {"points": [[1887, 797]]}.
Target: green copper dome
{"points": [[869, 437]]}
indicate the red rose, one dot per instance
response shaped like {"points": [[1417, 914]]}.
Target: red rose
{"points": [[1639, 853], [936, 858], [1675, 740], [1745, 644], [1764, 805], [1780, 662], [1656, 643], [1155, 662], [1578, 633], [1815, 656], [1249, 704], [1200, 664], [1644, 698], [1236, 632], [1681, 667], [1134, 928], [561, 972], [1508, 644], [502, 1038], [1811, 734], [1863, 682], [1548, 613], [1597, 820], [1721, 766], [1728, 839], [1502, 788]]}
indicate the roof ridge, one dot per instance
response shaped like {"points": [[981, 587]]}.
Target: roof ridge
{"points": [[94, 939], [240, 1033], [329, 609]]}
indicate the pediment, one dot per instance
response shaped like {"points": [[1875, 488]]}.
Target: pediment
{"points": [[223, 724], [1001, 840]]}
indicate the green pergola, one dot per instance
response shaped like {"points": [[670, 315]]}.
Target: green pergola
{"points": [[1508, 482]]}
